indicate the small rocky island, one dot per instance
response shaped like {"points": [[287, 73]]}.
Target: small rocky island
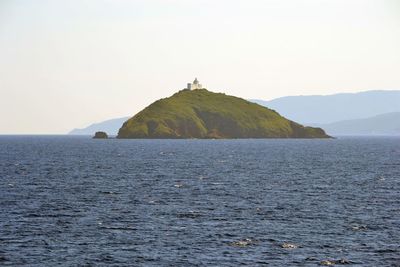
{"points": [[100, 135], [195, 112]]}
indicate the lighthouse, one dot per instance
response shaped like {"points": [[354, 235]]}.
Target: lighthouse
{"points": [[195, 85]]}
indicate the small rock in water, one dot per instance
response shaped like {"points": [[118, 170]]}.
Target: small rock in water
{"points": [[289, 246], [100, 135], [243, 243]]}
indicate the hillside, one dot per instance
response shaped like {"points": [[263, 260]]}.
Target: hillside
{"points": [[337, 107], [385, 124], [204, 114]]}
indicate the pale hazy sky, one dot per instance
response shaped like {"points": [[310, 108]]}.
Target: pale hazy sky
{"points": [[66, 64]]}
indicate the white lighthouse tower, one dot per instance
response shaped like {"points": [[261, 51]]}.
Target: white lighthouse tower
{"points": [[195, 85]]}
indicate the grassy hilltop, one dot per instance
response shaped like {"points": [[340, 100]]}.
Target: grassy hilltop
{"points": [[204, 114]]}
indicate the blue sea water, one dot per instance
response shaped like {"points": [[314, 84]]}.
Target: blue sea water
{"points": [[74, 201]]}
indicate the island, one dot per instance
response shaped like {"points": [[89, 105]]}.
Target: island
{"points": [[195, 112], [100, 135]]}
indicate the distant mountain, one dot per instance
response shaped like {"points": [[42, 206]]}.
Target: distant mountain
{"points": [[111, 127], [333, 108], [204, 114], [385, 124]]}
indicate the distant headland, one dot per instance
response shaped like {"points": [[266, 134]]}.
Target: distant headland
{"points": [[195, 112]]}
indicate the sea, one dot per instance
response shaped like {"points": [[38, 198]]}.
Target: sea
{"points": [[76, 201]]}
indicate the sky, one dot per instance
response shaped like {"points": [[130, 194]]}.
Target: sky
{"points": [[67, 64]]}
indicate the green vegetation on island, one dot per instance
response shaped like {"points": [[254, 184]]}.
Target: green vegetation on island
{"points": [[204, 114]]}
